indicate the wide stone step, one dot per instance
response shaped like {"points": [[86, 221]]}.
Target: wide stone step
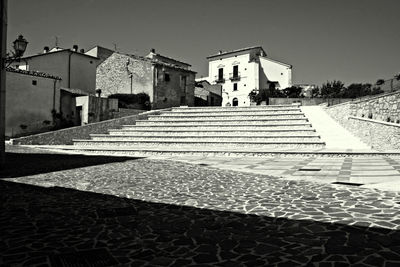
{"points": [[243, 126], [230, 112], [183, 138], [187, 150], [193, 145], [184, 109], [216, 132], [263, 121], [226, 117]]}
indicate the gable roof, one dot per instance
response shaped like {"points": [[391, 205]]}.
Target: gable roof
{"points": [[155, 62], [168, 58], [33, 73], [59, 51], [236, 51]]}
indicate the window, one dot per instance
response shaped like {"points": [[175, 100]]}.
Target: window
{"points": [[235, 71], [166, 77], [220, 73], [183, 83], [235, 87], [34, 82]]}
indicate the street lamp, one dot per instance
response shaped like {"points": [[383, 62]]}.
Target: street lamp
{"points": [[19, 46]]}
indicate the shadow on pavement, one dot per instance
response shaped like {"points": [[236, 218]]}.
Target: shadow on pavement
{"points": [[62, 227], [24, 164]]}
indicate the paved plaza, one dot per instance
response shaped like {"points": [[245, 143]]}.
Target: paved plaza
{"points": [[59, 210], [380, 172]]}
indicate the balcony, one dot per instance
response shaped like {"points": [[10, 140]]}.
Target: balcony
{"points": [[234, 76], [219, 79]]}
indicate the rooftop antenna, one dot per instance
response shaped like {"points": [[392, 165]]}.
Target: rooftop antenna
{"points": [[56, 41]]}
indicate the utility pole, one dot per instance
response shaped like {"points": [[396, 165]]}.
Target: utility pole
{"points": [[3, 48]]}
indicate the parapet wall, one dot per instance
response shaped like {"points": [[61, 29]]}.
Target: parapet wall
{"points": [[376, 132], [65, 136]]}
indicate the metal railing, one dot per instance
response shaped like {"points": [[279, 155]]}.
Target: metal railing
{"points": [[219, 79], [234, 76]]}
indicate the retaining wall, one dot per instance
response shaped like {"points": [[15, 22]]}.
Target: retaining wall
{"points": [[65, 136], [307, 101], [382, 108], [382, 136]]}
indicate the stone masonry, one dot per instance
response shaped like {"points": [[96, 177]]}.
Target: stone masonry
{"points": [[384, 108], [368, 120]]}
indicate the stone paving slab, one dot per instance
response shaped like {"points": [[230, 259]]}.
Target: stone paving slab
{"points": [[366, 171], [155, 212], [177, 214]]}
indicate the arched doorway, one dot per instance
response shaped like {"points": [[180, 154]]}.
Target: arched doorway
{"points": [[235, 102]]}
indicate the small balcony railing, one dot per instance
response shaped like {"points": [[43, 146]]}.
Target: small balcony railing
{"points": [[234, 76], [219, 79]]}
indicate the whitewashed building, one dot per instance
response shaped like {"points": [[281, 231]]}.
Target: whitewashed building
{"points": [[244, 70]]}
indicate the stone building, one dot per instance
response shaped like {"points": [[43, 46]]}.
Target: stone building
{"points": [[167, 81], [244, 70], [207, 94]]}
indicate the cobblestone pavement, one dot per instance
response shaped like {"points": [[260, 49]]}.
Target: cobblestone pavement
{"points": [[164, 213]]}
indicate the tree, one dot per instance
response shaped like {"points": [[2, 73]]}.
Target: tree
{"points": [[315, 92], [357, 90], [332, 89], [293, 92]]}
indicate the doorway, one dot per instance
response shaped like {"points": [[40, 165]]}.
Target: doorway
{"points": [[235, 102]]}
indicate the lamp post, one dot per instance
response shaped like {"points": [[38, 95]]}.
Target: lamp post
{"points": [[3, 47], [19, 46]]}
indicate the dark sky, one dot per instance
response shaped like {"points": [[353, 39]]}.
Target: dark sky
{"points": [[347, 40]]}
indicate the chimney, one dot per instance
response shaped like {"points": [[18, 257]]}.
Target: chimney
{"points": [[153, 50], [75, 48], [82, 50], [46, 49]]}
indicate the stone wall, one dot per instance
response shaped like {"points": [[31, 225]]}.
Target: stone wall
{"points": [[175, 91], [65, 136], [123, 74], [379, 135], [382, 108], [307, 101]]}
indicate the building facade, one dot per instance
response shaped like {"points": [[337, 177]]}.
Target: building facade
{"points": [[207, 94], [77, 102], [76, 69], [245, 70], [32, 101], [168, 82]]}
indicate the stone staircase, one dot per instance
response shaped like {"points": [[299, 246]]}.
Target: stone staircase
{"points": [[210, 130]]}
